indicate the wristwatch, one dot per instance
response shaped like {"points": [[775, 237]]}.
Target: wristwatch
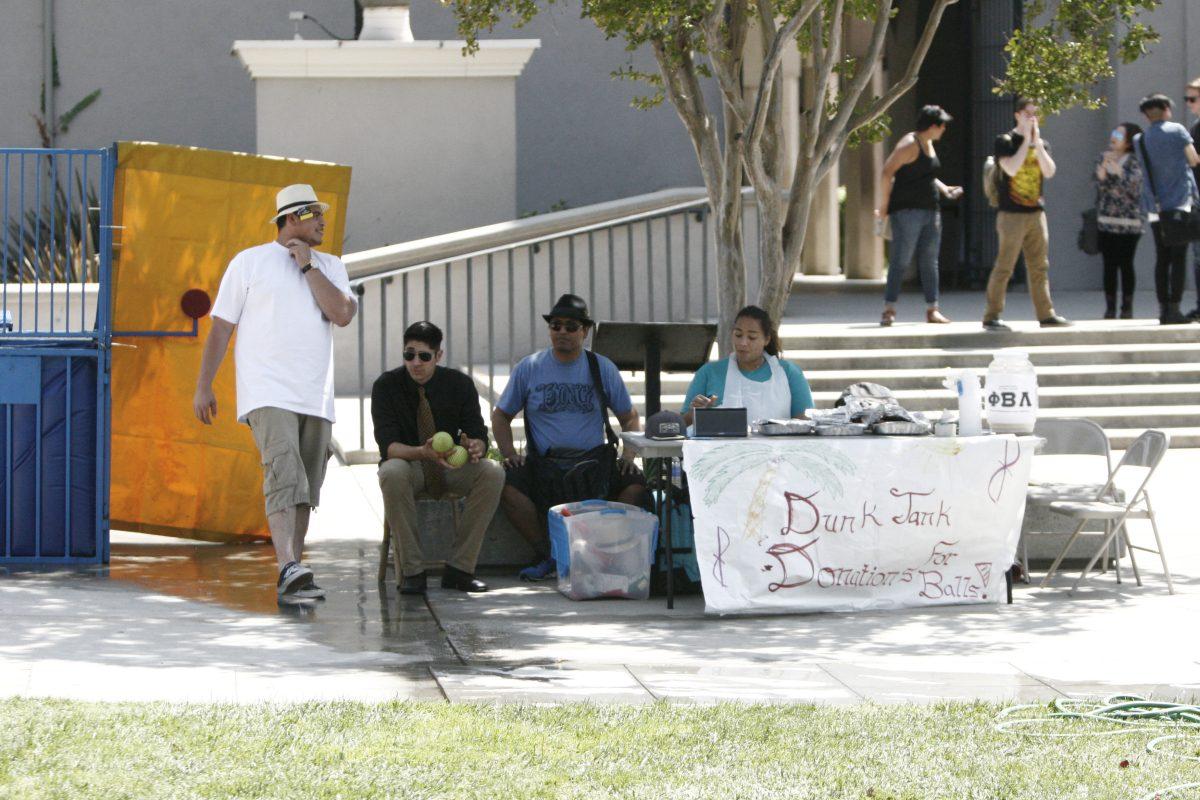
{"points": [[306, 268]]}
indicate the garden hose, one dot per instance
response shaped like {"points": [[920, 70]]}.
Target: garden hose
{"points": [[1129, 712]]}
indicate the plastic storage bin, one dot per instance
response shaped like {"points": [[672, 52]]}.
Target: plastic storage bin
{"points": [[603, 549]]}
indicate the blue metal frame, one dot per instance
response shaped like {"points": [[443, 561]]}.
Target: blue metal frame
{"points": [[44, 341]]}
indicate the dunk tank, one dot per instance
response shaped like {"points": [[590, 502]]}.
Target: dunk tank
{"points": [[111, 259]]}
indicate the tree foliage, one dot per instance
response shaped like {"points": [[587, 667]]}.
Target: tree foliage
{"points": [[1058, 61], [1061, 57]]}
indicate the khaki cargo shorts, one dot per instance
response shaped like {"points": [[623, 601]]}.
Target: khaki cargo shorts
{"points": [[295, 450]]}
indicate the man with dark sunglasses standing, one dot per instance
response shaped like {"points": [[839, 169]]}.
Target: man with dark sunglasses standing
{"points": [[283, 298], [565, 422], [1192, 95], [409, 405], [1167, 155]]}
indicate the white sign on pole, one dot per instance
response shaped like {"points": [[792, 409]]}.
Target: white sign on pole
{"points": [[848, 524]]}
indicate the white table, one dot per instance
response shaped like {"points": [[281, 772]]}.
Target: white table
{"points": [[819, 523]]}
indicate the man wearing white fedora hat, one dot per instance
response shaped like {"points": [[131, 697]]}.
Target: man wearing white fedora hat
{"points": [[283, 298]]}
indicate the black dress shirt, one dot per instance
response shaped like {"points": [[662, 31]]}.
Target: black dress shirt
{"points": [[452, 398]]}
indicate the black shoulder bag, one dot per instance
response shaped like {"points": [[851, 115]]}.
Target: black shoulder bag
{"points": [[566, 475], [1088, 239], [1176, 226]]}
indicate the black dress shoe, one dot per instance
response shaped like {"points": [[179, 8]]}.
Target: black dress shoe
{"points": [[995, 325], [454, 578], [1056, 322], [414, 584]]}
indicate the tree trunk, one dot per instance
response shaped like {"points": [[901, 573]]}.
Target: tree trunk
{"points": [[781, 261], [731, 268]]}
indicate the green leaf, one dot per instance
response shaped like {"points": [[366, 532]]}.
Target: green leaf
{"points": [[69, 116]]}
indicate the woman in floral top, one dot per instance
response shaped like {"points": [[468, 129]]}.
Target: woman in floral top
{"points": [[1118, 192]]}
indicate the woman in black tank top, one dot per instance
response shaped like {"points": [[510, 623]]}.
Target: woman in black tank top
{"points": [[911, 193]]}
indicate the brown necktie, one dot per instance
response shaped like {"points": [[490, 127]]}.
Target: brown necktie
{"points": [[434, 480]]}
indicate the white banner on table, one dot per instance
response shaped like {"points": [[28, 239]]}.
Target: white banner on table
{"points": [[848, 524]]}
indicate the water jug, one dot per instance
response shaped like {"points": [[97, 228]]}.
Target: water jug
{"points": [[965, 384], [1010, 393]]}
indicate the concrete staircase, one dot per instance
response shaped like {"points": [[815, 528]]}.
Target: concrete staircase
{"points": [[1126, 375]]}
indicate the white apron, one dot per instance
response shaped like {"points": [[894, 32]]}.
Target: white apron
{"points": [[769, 400]]}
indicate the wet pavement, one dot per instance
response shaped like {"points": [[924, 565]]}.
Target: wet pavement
{"points": [[198, 622]]}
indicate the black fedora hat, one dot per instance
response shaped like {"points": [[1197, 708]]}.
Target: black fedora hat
{"points": [[569, 306]]}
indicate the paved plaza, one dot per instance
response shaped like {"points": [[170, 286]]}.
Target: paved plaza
{"points": [[188, 621]]}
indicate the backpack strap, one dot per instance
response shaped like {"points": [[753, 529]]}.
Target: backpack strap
{"points": [[1141, 140], [598, 384]]}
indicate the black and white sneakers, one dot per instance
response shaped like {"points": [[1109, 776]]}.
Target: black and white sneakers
{"points": [[294, 578]]}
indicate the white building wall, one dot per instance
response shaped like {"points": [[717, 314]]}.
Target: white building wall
{"points": [[427, 154]]}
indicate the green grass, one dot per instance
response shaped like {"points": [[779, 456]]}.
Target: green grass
{"points": [[349, 750]]}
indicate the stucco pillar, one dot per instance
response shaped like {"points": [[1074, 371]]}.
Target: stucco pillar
{"points": [[429, 133], [822, 242], [864, 250]]}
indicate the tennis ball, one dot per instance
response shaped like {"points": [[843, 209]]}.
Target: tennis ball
{"points": [[442, 442], [458, 456]]}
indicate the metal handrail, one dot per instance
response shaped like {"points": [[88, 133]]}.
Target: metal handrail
{"points": [[692, 205], [618, 279]]}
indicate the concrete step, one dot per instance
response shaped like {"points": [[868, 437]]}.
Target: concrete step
{"points": [[1064, 397], [872, 359], [1048, 376], [1121, 438], [930, 377], [1137, 418], [1126, 375], [1048, 397], [972, 335], [901, 369]]}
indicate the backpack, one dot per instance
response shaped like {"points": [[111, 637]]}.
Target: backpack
{"points": [[991, 181]]}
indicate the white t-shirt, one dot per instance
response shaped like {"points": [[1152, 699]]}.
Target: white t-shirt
{"points": [[284, 349]]}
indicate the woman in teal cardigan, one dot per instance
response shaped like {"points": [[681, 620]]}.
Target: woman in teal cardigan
{"points": [[754, 377]]}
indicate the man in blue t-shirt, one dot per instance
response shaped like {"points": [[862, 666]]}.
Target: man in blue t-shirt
{"points": [[564, 419], [1167, 154]]}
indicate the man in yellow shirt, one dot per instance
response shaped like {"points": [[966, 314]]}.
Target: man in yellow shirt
{"points": [[1024, 162]]}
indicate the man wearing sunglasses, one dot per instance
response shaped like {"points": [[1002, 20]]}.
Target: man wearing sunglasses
{"points": [[1192, 95], [565, 425], [1167, 154], [409, 405], [283, 298]]}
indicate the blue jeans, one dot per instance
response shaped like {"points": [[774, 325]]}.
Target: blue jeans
{"points": [[915, 231]]}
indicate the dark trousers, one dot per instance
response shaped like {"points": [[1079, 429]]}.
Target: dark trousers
{"points": [[1170, 268], [1196, 271], [1117, 250]]}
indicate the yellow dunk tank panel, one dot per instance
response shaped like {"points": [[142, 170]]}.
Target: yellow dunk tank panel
{"points": [[182, 213]]}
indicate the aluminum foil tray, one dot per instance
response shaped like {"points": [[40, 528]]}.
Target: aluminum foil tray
{"points": [[850, 429], [899, 428], [783, 427]]}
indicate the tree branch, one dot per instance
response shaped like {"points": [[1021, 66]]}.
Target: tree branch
{"points": [[683, 88], [862, 77], [771, 63], [766, 23], [908, 81], [713, 19], [831, 57], [814, 113], [725, 52]]}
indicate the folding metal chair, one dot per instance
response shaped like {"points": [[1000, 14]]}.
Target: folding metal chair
{"points": [[1144, 453], [1066, 437]]}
